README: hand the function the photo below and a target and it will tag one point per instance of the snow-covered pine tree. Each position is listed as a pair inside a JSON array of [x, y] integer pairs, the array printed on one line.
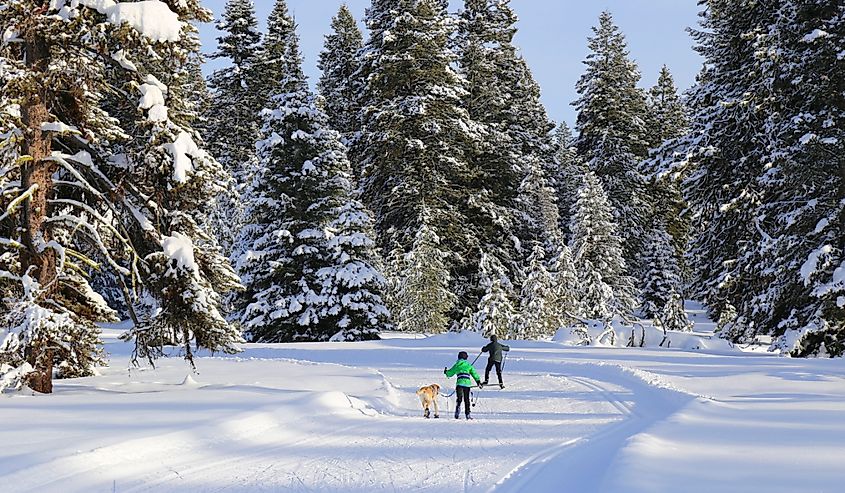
[[416, 136], [537, 316], [724, 154], [101, 179], [803, 210], [565, 301], [487, 60], [510, 204], [352, 281], [663, 285], [340, 66], [666, 122], [279, 58], [308, 261], [597, 300], [597, 248], [666, 113], [424, 297], [565, 178], [612, 137], [495, 313], [232, 120]]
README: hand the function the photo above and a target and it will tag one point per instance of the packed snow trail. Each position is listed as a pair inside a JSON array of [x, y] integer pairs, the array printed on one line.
[[344, 417]]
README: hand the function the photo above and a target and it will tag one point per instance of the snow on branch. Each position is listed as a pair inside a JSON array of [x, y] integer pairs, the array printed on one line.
[[152, 18]]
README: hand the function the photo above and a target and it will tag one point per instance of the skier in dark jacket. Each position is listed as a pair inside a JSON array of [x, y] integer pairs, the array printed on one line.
[[495, 350]]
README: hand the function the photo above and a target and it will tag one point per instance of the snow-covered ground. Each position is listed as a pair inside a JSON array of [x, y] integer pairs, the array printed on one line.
[[344, 417]]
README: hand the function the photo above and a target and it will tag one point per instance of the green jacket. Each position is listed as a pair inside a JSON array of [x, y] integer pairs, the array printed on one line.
[[464, 370], [495, 349]]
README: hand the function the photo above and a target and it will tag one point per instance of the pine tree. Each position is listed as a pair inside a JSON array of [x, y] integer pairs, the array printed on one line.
[[597, 250], [511, 205], [667, 118], [597, 300], [108, 180], [566, 177], [565, 301], [538, 315], [802, 303], [233, 121], [279, 58], [308, 261], [424, 297], [663, 289], [489, 63], [495, 313], [666, 122], [416, 136], [723, 155], [340, 66], [612, 136]]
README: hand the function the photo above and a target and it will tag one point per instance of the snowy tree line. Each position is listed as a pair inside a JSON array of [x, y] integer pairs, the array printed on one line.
[[474, 213], [421, 187]]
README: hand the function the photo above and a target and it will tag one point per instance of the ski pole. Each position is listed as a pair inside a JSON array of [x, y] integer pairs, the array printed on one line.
[[476, 358]]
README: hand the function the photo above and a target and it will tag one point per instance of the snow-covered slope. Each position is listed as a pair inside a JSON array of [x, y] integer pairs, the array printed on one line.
[[344, 417]]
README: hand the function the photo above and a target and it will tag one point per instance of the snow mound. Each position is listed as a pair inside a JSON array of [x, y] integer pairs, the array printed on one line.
[[332, 403], [620, 334], [189, 381]]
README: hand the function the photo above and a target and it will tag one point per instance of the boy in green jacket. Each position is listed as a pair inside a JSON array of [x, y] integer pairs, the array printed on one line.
[[464, 370]]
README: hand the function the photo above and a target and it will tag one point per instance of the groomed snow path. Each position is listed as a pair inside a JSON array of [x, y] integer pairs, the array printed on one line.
[[344, 417]]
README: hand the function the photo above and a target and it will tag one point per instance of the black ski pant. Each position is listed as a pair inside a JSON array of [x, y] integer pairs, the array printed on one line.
[[463, 395], [490, 364]]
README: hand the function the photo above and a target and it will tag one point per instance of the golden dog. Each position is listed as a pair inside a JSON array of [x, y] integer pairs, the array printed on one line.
[[428, 395]]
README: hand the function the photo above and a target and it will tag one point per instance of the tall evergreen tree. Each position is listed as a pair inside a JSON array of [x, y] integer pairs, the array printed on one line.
[[103, 179], [720, 161], [667, 116], [495, 313], [597, 250], [416, 136], [663, 285], [538, 316], [279, 58], [612, 137], [511, 204], [667, 122], [567, 175], [566, 303], [233, 121], [340, 67], [800, 255], [308, 261], [424, 297]]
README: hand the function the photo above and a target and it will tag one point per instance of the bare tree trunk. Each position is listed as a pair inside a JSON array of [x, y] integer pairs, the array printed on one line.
[[38, 172], [41, 380]]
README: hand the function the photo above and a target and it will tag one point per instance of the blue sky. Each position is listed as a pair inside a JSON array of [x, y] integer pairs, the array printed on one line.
[[552, 35]]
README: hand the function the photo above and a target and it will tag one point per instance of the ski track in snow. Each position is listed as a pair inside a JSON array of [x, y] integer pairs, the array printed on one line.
[[345, 417]]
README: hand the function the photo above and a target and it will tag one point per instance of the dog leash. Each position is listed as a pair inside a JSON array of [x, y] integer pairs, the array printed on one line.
[[455, 390]]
